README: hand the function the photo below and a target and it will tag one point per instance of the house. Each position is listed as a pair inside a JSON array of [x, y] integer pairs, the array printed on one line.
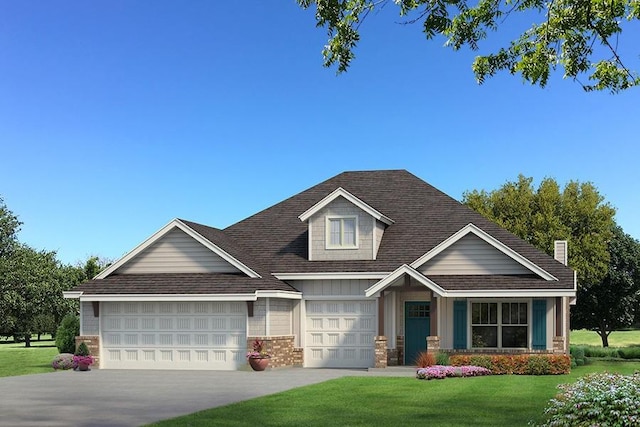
[[363, 270]]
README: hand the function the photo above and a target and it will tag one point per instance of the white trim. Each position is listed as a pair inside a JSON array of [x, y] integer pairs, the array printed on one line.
[[341, 192], [399, 272], [279, 294], [336, 298], [327, 228], [373, 241], [471, 228], [330, 275], [188, 297], [176, 223], [71, 294], [309, 242], [267, 318], [511, 293]]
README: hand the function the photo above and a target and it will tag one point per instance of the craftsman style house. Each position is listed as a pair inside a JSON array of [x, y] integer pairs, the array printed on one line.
[[363, 270]]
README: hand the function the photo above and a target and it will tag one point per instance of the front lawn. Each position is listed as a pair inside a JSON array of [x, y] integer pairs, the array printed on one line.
[[15, 359], [505, 400]]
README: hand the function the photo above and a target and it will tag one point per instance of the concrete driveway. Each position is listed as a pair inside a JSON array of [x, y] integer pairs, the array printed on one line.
[[132, 398]]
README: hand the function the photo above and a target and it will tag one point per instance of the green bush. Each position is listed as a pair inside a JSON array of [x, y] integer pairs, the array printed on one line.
[[442, 358], [578, 354], [67, 332], [82, 350], [629, 352], [538, 365], [600, 399], [592, 351]]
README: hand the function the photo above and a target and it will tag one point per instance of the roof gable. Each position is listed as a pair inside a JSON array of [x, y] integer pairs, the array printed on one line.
[[177, 248], [511, 262], [341, 192]]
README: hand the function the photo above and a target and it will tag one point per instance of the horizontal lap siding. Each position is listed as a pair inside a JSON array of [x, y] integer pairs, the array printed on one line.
[[89, 322], [472, 255], [176, 252], [345, 287]]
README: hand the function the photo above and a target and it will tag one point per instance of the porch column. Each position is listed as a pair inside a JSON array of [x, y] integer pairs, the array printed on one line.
[[381, 314], [433, 316]]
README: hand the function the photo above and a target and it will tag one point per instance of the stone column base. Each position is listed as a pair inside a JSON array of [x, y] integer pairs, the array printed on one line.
[[381, 352]]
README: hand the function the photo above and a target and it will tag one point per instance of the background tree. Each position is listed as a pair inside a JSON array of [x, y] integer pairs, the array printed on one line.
[[9, 227], [581, 36], [577, 214], [610, 304]]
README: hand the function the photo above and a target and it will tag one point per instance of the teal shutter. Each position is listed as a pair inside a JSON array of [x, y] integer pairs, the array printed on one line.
[[459, 324], [539, 327]]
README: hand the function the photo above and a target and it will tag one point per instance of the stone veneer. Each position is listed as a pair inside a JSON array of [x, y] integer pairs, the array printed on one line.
[[281, 348], [381, 352], [93, 344], [558, 345]]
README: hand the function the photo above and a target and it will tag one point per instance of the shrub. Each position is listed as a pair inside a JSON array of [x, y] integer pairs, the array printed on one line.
[[629, 352], [596, 399], [63, 361], [592, 351], [578, 354], [82, 350], [525, 364], [441, 372], [66, 334], [442, 358], [425, 359]]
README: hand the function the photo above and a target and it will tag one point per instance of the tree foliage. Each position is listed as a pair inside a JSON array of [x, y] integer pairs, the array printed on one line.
[[580, 36], [32, 283], [540, 216], [610, 304]]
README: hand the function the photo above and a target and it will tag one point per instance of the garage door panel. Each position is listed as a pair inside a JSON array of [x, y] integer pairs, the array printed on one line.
[[181, 335], [340, 334]]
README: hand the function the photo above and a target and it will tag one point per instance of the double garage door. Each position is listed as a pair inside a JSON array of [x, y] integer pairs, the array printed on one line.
[[174, 335], [340, 334]]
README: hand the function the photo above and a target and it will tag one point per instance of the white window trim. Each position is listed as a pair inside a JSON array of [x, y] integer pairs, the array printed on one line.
[[499, 325], [327, 228]]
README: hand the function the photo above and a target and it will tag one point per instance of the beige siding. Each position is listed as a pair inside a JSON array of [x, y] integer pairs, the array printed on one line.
[[379, 233], [279, 317], [258, 323], [330, 288], [445, 322], [341, 207], [472, 255], [177, 252], [90, 324]]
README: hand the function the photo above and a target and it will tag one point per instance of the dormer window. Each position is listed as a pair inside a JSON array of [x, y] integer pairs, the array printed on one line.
[[342, 232]]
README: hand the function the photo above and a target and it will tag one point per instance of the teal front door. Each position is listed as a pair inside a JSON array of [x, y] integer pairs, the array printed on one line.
[[417, 326]]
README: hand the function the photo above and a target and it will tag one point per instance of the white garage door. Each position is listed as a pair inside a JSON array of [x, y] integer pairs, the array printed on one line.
[[173, 335], [340, 334]]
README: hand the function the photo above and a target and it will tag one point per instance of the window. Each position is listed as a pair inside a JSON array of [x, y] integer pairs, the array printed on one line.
[[503, 325], [342, 232]]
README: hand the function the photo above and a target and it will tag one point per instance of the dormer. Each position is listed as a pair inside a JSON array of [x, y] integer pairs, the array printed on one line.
[[343, 227]]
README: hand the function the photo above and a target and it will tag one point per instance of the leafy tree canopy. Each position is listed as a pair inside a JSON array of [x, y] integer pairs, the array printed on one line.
[[9, 227], [580, 36], [610, 304], [540, 216]]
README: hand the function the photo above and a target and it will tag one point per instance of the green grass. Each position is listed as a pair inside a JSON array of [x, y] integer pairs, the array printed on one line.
[[616, 339], [507, 400], [15, 359]]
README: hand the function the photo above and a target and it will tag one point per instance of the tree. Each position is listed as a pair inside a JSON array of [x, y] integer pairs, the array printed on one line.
[[9, 227], [577, 214], [610, 304], [580, 36]]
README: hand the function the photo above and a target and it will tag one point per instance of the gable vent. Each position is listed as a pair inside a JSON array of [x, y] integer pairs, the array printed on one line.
[[560, 251]]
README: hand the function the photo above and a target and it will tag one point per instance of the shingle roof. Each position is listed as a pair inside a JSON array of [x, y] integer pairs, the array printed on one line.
[[170, 283], [275, 240]]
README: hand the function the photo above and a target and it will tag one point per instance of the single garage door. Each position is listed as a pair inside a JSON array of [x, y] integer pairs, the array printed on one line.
[[340, 334], [173, 335]]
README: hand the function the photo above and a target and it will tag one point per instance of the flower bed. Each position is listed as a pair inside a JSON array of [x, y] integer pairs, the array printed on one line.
[[440, 372]]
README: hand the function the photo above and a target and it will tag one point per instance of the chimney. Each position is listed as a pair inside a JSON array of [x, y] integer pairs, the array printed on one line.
[[560, 251]]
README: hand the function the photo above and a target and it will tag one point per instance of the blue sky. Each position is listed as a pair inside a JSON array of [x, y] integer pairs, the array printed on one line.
[[118, 116]]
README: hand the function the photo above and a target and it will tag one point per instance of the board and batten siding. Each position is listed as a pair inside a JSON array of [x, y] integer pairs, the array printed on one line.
[[90, 324], [258, 323], [472, 255], [318, 233], [177, 252], [333, 288], [279, 316]]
